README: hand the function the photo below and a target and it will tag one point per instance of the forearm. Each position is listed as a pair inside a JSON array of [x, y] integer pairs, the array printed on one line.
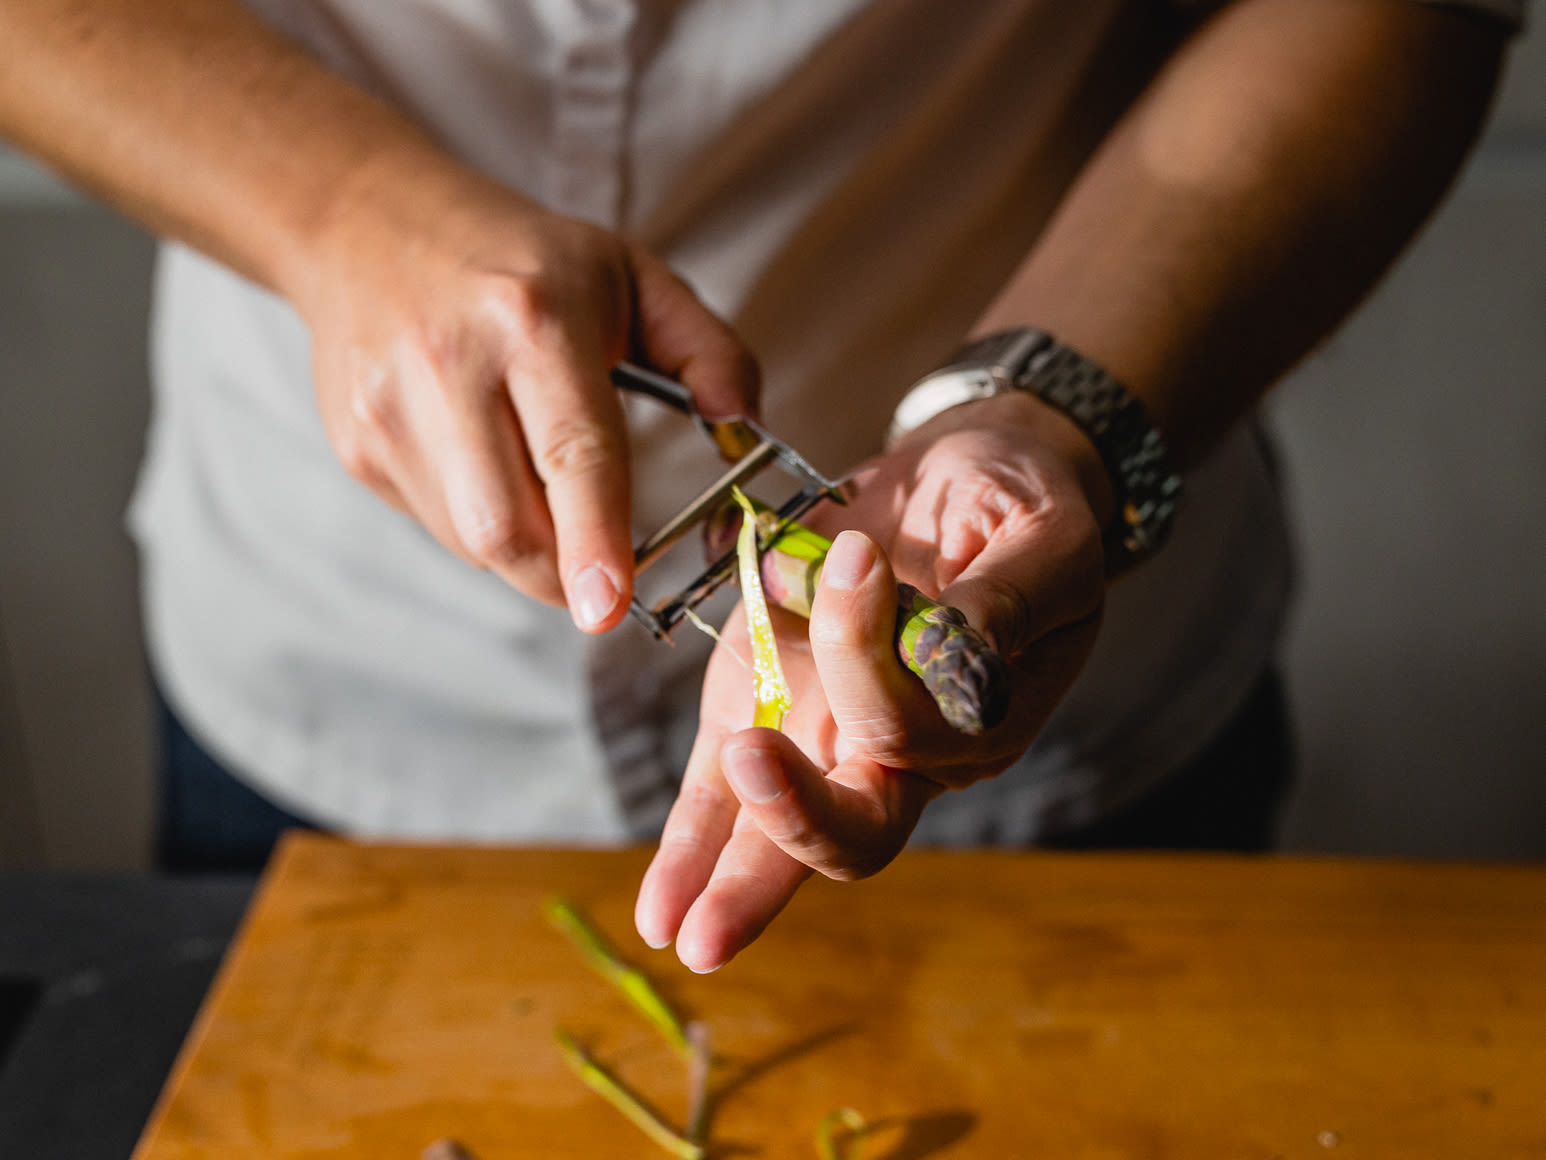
[[1268, 177], [201, 122]]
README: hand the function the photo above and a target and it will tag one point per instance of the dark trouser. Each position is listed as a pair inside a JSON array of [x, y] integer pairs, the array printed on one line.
[[1229, 798], [208, 820]]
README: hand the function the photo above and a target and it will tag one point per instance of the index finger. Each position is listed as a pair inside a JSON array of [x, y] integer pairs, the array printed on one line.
[[696, 831], [574, 429]]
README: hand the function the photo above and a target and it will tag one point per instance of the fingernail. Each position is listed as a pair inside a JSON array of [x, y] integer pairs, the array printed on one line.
[[592, 596], [848, 562], [657, 946], [705, 970], [755, 774]]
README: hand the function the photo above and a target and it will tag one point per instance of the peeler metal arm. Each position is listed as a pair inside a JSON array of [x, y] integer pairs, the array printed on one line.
[[749, 449]]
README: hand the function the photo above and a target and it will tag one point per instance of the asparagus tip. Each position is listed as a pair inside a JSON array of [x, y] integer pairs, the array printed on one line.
[[962, 671]]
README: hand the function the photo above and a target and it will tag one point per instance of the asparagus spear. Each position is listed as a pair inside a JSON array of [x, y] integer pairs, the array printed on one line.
[[960, 669]]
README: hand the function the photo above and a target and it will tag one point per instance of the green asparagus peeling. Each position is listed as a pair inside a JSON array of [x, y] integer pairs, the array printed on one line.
[[961, 670], [616, 1093], [631, 981], [773, 698], [851, 1123]]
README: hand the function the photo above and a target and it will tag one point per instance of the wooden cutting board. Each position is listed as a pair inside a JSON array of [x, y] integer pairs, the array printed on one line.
[[984, 1005]]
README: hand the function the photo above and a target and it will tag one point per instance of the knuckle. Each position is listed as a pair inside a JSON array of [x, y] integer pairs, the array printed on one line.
[[899, 739], [426, 361], [874, 734], [439, 363], [898, 749], [685, 843], [792, 830], [373, 408], [519, 308], [576, 447], [493, 540]]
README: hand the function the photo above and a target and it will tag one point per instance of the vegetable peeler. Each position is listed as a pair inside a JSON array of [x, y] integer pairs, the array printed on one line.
[[749, 449]]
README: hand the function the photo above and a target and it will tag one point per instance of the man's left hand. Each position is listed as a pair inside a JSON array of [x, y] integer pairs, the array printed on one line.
[[993, 507]]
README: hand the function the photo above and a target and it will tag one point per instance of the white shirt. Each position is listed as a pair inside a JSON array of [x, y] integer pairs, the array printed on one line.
[[848, 182]]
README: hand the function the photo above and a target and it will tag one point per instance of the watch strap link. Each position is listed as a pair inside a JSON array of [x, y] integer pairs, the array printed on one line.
[[1148, 491]]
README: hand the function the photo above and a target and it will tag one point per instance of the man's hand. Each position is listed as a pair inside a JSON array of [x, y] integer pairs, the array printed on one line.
[[462, 335], [461, 364], [992, 506]]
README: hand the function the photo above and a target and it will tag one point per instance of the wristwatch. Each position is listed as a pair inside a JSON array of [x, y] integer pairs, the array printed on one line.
[[1027, 359]]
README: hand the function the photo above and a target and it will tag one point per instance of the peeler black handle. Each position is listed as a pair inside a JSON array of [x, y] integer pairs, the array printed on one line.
[[732, 437], [668, 391]]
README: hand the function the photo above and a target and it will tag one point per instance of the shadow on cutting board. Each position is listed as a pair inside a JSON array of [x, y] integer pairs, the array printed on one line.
[[922, 1135]]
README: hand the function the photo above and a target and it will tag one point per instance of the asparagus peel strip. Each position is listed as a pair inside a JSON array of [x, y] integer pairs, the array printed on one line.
[[616, 1093], [961, 670], [632, 982], [852, 1126], [772, 690], [839, 1135]]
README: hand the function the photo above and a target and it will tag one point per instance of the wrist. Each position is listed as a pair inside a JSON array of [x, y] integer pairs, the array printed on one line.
[[384, 208], [1139, 494]]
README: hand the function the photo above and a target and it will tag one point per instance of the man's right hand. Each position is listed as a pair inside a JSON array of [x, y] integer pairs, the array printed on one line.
[[462, 335], [461, 360]]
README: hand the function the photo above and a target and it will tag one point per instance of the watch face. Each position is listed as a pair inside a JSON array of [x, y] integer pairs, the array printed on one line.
[[939, 392]]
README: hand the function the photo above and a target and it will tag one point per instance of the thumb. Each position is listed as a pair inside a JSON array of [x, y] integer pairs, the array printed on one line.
[[683, 338], [1030, 580]]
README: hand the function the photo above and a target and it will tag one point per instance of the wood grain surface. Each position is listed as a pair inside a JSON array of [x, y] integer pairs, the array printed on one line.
[[982, 1005]]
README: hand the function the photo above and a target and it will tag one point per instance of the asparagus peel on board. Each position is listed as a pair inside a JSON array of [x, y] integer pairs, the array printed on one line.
[[960, 669], [601, 1081], [632, 982], [839, 1135], [690, 1039]]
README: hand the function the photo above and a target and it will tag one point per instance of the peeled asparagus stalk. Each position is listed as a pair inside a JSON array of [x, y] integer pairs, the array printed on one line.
[[957, 665]]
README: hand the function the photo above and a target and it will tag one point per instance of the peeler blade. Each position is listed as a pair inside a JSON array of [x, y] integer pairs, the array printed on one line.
[[670, 612], [750, 449]]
